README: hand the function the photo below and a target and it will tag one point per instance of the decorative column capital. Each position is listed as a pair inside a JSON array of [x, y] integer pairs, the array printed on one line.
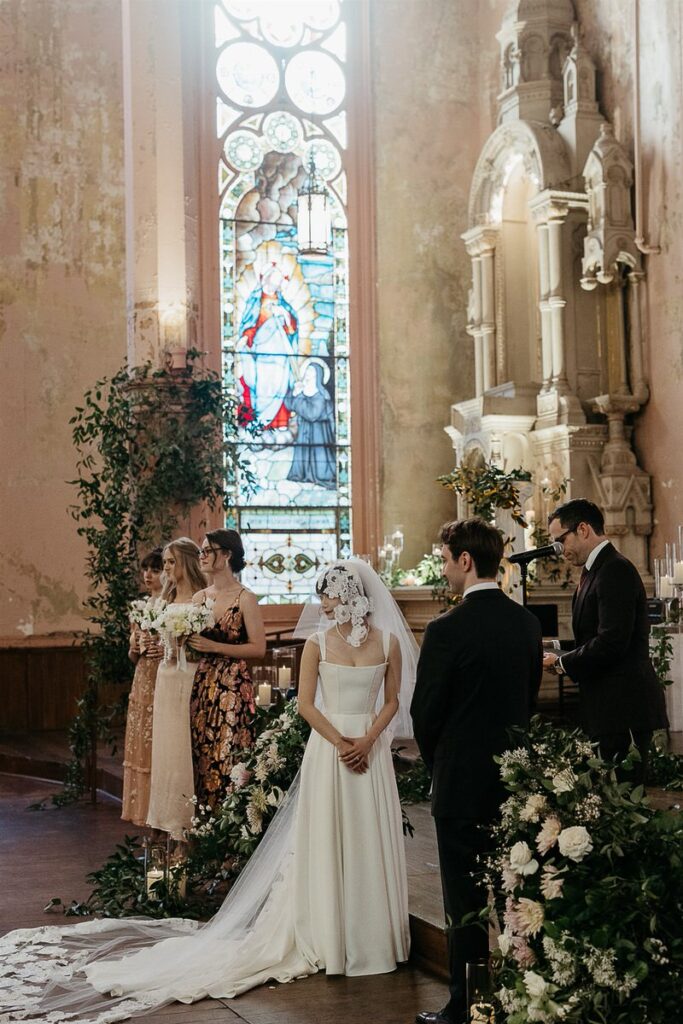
[[481, 240]]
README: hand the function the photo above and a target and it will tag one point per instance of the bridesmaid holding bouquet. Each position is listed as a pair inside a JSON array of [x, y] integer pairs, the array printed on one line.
[[172, 788], [144, 651], [222, 708]]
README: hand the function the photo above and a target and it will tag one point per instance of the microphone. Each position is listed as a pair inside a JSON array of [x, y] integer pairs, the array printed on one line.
[[528, 556]]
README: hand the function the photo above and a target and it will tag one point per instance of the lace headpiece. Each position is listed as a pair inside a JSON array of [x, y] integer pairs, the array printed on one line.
[[344, 583]]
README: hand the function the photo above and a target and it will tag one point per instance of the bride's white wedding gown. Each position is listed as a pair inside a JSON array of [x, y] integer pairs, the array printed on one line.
[[334, 898]]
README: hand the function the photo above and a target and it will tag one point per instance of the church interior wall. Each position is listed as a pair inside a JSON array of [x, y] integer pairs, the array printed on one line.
[[435, 80], [607, 27], [62, 289], [433, 67]]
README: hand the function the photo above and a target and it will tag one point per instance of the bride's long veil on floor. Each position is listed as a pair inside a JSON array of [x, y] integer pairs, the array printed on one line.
[[46, 973]]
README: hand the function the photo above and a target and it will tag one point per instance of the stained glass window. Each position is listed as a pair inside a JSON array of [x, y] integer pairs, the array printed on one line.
[[281, 85]]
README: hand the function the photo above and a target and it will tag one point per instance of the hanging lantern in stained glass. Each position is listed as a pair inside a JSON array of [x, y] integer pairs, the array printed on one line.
[[313, 219]]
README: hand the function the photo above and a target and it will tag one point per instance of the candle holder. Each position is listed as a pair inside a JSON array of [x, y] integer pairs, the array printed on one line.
[[264, 682], [176, 858], [479, 991], [284, 663], [156, 869]]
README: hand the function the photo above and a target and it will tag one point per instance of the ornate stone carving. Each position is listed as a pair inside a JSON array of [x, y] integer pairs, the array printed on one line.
[[610, 239], [554, 161]]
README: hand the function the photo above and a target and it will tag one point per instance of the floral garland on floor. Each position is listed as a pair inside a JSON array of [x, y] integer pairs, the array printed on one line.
[[589, 888]]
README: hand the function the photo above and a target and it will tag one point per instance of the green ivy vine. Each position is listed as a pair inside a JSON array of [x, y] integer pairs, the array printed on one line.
[[487, 488], [150, 447]]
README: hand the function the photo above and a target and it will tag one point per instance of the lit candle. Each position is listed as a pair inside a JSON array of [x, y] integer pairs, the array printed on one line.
[[678, 573], [264, 695], [284, 676]]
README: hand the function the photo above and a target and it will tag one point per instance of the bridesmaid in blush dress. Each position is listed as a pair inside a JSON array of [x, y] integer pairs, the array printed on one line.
[[222, 707], [145, 651]]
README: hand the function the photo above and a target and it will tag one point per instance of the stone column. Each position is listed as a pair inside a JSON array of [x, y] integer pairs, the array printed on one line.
[[639, 387], [556, 299], [488, 317], [481, 246], [544, 306], [161, 261]]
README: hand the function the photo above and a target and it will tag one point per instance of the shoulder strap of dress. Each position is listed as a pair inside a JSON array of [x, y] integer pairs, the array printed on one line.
[[321, 641], [386, 640]]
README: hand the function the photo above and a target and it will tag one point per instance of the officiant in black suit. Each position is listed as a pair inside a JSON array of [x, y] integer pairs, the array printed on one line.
[[621, 699], [478, 675]]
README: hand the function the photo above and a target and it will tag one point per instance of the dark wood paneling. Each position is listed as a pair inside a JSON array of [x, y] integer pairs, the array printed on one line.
[[39, 688]]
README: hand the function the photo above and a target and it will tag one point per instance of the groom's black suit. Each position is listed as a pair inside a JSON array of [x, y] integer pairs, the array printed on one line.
[[479, 672]]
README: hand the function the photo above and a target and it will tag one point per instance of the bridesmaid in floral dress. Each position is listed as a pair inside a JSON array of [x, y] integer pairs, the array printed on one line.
[[222, 706], [145, 652]]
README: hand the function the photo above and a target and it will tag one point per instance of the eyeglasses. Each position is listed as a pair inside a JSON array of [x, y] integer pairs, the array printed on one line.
[[563, 536]]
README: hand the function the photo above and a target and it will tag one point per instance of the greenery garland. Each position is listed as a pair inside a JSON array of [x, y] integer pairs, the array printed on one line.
[[487, 488], [150, 448]]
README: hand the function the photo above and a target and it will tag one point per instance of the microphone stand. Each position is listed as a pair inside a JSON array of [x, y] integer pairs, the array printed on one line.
[[524, 570]]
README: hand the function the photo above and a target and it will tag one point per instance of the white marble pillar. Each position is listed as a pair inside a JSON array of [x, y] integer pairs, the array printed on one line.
[[638, 381], [488, 318], [557, 303], [544, 306]]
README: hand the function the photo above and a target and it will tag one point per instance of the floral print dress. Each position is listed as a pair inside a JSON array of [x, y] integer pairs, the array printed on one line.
[[222, 711]]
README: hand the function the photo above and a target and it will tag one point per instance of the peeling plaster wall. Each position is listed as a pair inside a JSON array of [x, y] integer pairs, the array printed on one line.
[[435, 79], [607, 27], [62, 297]]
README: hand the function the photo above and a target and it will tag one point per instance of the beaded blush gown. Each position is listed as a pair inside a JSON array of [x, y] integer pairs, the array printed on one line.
[[325, 890], [137, 754]]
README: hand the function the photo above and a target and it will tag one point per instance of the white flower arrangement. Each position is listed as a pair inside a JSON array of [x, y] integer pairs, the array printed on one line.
[[584, 937]]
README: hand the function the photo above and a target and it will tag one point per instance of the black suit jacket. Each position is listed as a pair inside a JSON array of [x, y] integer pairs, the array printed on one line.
[[478, 674], [618, 687]]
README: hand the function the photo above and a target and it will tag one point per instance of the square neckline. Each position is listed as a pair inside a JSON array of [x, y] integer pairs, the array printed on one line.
[[382, 664]]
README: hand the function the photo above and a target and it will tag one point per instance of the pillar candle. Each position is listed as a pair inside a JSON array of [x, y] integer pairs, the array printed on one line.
[[666, 587], [264, 695], [284, 676], [678, 572]]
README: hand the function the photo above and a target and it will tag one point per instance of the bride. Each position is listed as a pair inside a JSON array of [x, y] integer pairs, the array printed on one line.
[[326, 889]]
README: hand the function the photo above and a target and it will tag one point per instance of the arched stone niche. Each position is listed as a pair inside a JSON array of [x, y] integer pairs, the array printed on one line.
[[554, 311]]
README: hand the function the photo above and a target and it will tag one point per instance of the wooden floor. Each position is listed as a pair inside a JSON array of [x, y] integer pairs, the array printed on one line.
[[48, 853]]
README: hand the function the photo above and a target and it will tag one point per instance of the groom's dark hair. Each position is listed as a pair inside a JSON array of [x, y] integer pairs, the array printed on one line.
[[483, 542]]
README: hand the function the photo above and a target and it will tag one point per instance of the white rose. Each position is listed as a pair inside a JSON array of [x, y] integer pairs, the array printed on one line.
[[521, 859], [575, 842], [535, 985]]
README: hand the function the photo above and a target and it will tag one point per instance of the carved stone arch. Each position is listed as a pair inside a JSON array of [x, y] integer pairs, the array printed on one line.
[[541, 148]]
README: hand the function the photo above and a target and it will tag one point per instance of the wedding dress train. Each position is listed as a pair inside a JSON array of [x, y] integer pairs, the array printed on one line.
[[326, 890]]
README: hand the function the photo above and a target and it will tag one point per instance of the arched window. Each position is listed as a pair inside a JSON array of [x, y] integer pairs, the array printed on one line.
[[281, 104]]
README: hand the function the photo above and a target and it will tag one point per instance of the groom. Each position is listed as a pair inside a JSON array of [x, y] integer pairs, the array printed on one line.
[[478, 674]]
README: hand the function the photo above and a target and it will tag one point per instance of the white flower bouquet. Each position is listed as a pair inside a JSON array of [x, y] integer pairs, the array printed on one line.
[[177, 622], [146, 612]]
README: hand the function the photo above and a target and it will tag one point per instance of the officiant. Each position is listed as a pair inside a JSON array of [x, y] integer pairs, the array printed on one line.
[[621, 699]]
